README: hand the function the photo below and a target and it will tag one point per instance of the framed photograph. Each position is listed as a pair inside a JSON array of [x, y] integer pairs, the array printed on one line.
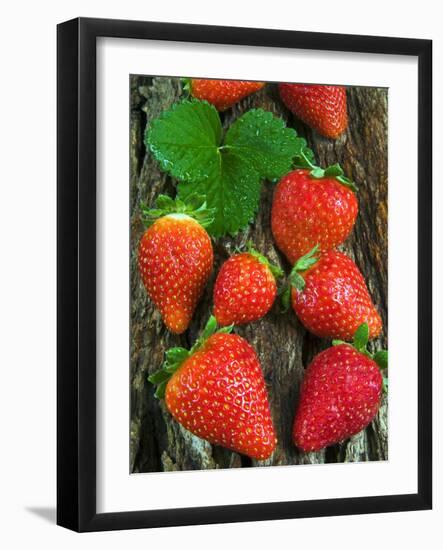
[[244, 231]]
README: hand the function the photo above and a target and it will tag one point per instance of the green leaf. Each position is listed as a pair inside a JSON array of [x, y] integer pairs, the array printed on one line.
[[381, 358], [158, 377], [185, 140], [307, 261], [302, 264], [305, 157], [176, 355], [361, 337], [263, 141], [210, 328], [334, 171], [233, 192], [297, 280], [194, 206], [385, 384], [165, 202], [285, 293], [275, 269], [161, 390]]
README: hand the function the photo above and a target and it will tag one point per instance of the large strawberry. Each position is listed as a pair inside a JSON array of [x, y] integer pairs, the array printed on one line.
[[340, 394], [223, 94], [320, 107], [245, 288], [217, 391], [330, 296], [312, 207], [175, 257]]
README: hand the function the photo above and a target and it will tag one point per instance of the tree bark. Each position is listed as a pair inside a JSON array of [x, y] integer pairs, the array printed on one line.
[[285, 348]]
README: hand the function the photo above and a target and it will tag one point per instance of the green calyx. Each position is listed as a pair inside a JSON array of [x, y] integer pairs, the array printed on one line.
[[334, 171], [302, 264], [275, 269], [194, 206], [285, 297], [360, 343], [296, 280], [175, 357], [186, 86]]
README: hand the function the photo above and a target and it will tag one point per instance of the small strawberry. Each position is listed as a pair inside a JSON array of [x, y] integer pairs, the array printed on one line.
[[217, 391], [340, 394], [175, 258], [323, 108], [245, 288], [223, 94], [331, 298], [312, 207]]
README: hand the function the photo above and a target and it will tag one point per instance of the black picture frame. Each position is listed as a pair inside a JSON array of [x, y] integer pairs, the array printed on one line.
[[76, 279]]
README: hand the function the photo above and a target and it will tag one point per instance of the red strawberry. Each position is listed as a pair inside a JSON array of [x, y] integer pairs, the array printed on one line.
[[340, 395], [217, 391], [175, 259], [309, 210], [223, 94], [323, 108], [331, 299], [245, 288]]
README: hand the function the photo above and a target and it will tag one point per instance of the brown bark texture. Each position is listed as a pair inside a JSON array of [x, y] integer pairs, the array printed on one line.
[[285, 348]]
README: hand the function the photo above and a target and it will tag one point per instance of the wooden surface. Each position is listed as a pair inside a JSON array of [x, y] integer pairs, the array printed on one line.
[[285, 348]]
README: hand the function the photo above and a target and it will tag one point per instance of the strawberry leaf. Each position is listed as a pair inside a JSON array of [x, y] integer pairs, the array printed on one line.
[[262, 140], [233, 192], [187, 142]]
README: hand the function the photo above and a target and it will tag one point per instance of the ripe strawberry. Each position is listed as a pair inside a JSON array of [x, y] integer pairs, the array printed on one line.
[[175, 258], [331, 299], [223, 94], [312, 207], [323, 108], [245, 288], [340, 395], [217, 391]]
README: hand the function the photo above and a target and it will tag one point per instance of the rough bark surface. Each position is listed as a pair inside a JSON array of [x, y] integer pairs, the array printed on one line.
[[285, 348]]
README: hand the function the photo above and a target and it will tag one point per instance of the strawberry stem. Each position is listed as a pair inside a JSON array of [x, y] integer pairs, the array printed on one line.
[[175, 357], [194, 206]]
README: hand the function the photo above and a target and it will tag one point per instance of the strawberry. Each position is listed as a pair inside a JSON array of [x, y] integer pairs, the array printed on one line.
[[312, 207], [245, 288], [323, 108], [217, 391], [223, 94], [175, 258], [331, 298], [340, 394]]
